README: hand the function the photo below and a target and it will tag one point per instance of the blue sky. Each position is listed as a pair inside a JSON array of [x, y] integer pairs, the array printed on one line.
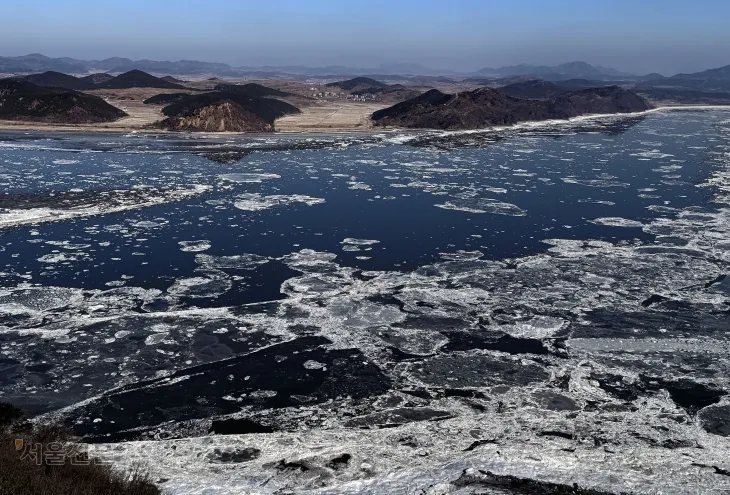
[[667, 36]]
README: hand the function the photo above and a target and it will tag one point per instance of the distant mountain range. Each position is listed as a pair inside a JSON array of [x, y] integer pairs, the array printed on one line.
[[570, 70], [36, 62]]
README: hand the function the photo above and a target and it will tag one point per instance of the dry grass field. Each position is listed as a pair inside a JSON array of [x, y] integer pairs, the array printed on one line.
[[338, 115]]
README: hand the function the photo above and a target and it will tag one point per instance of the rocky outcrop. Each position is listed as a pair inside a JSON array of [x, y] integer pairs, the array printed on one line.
[[225, 112], [533, 89], [486, 107], [92, 80], [607, 99], [137, 79], [131, 79], [252, 90], [22, 100], [224, 115], [165, 98], [356, 84], [56, 80]]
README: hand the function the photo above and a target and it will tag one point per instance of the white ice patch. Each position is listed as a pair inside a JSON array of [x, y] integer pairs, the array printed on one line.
[[256, 202], [239, 262], [308, 259], [194, 246], [246, 178], [11, 218], [481, 205], [617, 222], [40, 298], [462, 255], [539, 327], [212, 285], [594, 182], [366, 314], [652, 154], [58, 258], [149, 224], [358, 185], [359, 242], [65, 162]]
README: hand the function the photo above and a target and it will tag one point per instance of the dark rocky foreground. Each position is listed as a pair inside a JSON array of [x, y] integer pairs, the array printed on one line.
[[22, 100], [486, 107]]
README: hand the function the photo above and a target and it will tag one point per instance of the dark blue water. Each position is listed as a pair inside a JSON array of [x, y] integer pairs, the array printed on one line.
[[550, 184]]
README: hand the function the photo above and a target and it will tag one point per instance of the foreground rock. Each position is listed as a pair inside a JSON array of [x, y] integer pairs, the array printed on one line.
[[487, 107], [225, 111], [22, 100]]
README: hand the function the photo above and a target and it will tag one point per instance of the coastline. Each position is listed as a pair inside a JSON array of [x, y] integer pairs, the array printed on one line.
[[119, 127]]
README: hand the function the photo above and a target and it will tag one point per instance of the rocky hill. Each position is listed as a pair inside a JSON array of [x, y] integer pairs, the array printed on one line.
[[173, 80], [131, 79], [251, 89], [165, 98], [532, 89], [23, 100], [486, 107], [56, 80], [357, 84], [606, 99], [137, 79], [221, 111], [390, 92], [92, 80], [365, 86]]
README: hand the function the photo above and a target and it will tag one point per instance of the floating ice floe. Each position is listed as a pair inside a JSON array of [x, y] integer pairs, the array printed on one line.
[[594, 182], [211, 283], [103, 203], [359, 242], [617, 222], [194, 246], [244, 178], [257, 202], [652, 154], [480, 205], [61, 257], [359, 185], [462, 255], [238, 262]]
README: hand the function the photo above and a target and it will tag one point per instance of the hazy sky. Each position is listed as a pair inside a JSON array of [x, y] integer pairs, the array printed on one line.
[[641, 36]]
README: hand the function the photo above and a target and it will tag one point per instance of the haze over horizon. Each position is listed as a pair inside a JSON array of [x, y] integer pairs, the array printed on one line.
[[650, 36]]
